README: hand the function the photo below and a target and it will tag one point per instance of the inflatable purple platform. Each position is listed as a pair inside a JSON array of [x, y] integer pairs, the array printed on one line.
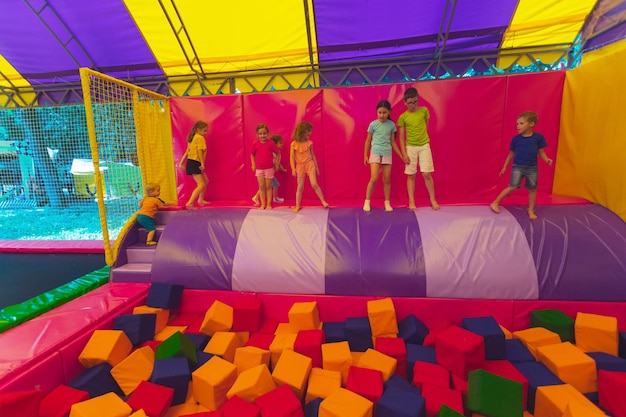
[[572, 252]]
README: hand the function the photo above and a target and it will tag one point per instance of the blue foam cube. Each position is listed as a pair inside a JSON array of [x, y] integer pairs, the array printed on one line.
[[334, 331], [358, 333], [515, 351], [397, 402], [492, 334], [164, 295], [312, 408], [608, 362], [97, 381], [138, 327], [412, 330], [538, 375], [416, 353], [173, 373]]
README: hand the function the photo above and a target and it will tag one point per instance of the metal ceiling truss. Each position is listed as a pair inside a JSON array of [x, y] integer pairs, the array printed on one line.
[[329, 76]]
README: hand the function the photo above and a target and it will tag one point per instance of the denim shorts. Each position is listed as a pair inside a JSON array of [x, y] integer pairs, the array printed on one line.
[[524, 171]]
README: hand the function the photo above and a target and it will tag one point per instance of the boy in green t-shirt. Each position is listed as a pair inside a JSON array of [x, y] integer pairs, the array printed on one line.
[[415, 146]]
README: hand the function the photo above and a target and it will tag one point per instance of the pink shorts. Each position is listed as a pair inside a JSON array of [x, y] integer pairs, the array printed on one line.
[[306, 169], [380, 159], [266, 173]]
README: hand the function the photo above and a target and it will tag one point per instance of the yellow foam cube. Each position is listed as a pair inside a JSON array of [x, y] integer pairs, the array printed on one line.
[[553, 400], [304, 316], [249, 357], [535, 337], [167, 331], [252, 383], [139, 413], [285, 328], [218, 318], [110, 346], [162, 316], [107, 405], [571, 365], [373, 359], [344, 403], [336, 357], [382, 317], [322, 383], [281, 342], [595, 333], [212, 381], [293, 369], [223, 344], [135, 368], [507, 334]]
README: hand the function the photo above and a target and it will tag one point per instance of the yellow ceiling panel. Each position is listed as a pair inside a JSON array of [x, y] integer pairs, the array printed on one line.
[[541, 23], [238, 35], [9, 77]]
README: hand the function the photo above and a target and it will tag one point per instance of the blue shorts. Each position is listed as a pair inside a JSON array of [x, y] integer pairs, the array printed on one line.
[[146, 221], [275, 183], [524, 171]]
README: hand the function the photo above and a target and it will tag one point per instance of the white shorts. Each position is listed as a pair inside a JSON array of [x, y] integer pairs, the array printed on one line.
[[380, 159], [266, 173], [419, 155]]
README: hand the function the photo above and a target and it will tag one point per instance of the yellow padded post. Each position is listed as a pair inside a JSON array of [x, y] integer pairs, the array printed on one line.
[[249, 357], [110, 346], [218, 318], [135, 368], [596, 333], [252, 383], [293, 370], [553, 400], [223, 344], [535, 337], [336, 357], [212, 381], [107, 405], [280, 343], [162, 316], [373, 359], [304, 316], [571, 365], [382, 317], [345, 403], [322, 383]]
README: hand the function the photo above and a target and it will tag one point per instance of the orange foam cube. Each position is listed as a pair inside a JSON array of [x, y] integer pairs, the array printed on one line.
[[223, 344], [252, 383], [535, 337], [135, 368], [596, 333], [337, 357], [280, 343], [249, 357], [553, 400], [162, 316], [110, 346], [107, 405], [304, 316], [345, 403], [571, 365], [212, 381], [218, 318], [322, 383], [382, 317], [293, 370], [373, 359]]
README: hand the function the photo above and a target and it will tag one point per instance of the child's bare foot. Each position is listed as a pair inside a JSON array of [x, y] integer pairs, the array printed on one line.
[[151, 243], [495, 207], [296, 209], [325, 204], [203, 203], [261, 207], [412, 207], [434, 204], [190, 207], [532, 215], [268, 207], [255, 200]]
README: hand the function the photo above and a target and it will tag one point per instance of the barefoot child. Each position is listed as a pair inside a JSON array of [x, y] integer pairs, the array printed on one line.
[[263, 158], [150, 205], [303, 163], [523, 152]]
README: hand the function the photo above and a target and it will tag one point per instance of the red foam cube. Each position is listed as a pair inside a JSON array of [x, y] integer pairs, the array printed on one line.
[[309, 343], [396, 348], [59, 401], [246, 314], [368, 383], [153, 398]]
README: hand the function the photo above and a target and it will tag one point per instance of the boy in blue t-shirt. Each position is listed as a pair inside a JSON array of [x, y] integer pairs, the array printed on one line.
[[523, 152]]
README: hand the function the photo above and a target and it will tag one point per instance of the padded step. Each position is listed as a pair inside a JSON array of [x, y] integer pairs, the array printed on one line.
[[143, 233], [132, 272], [140, 253]]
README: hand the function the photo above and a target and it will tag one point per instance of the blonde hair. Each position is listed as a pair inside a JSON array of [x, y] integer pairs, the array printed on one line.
[[151, 186], [301, 130], [199, 125], [530, 116]]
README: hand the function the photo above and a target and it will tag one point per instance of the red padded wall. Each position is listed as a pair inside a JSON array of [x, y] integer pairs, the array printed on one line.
[[472, 122]]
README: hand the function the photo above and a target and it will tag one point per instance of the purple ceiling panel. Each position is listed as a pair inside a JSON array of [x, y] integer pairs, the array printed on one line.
[[408, 28], [113, 44]]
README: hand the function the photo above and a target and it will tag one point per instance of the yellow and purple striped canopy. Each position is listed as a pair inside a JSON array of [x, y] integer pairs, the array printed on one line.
[[46, 41]]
